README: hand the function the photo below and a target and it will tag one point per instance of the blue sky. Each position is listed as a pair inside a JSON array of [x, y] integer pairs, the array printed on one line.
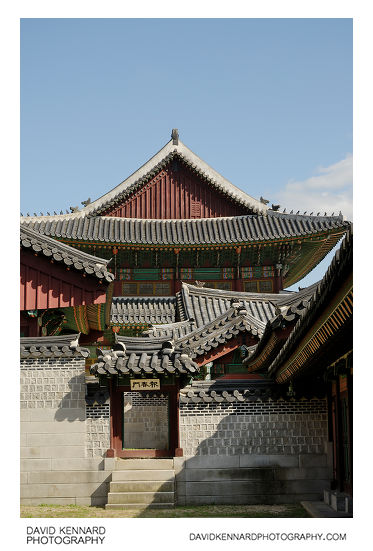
[[266, 102]]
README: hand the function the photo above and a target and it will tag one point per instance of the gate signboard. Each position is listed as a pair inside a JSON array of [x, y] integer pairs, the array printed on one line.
[[145, 384]]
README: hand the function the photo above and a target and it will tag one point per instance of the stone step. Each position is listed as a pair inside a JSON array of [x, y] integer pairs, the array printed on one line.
[[143, 474], [148, 464], [138, 506], [142, 486], [338, 501], [140, 497]]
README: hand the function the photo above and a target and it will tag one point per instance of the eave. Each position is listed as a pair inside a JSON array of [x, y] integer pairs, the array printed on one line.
[[327, 317]]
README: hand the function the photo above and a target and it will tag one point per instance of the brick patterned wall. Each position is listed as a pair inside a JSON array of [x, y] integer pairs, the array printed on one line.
[[296, 427], [98, 429], [52, 383], [58, 386]]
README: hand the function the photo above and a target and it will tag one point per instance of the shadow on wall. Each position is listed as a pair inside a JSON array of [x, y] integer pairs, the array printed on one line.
[[72, 405], [223, 473]]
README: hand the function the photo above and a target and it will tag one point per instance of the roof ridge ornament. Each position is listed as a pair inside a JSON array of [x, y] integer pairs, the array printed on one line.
[[175, 136]]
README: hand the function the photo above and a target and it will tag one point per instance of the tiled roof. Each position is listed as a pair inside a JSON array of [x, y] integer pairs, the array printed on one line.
[[172, 331], [63, 346], [223, 328], [64, 254], [224, 391], [157, 163], [204, 305], [151, 310], [289, 307], [143, 356], [340, 267], [198, 231], [238, 391]]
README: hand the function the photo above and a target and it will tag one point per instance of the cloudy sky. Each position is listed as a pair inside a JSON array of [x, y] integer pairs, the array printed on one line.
[[328, 189], [266, 102]]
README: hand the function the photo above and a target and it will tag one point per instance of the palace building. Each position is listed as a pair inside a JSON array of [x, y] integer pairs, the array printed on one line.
[[162, 360]]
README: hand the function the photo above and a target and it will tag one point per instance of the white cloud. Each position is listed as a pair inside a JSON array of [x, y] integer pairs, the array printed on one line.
[[329, 190]]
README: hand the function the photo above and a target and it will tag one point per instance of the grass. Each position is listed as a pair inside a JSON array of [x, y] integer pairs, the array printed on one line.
[[200, 511]]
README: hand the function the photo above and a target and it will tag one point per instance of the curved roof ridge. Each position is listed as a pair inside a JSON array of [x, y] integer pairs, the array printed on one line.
[[83, 214], [167, 152], [209, 291], [296, 296]]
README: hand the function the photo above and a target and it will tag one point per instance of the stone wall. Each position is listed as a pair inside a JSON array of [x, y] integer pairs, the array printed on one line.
[[61, 446], [253, 452], [97, 430], [271, 427]]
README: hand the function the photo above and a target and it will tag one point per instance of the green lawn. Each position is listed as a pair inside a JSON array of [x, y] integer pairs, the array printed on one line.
[[200, 511]]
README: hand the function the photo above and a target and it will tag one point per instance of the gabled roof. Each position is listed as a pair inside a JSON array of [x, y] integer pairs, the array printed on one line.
[[172, 149], [223, 328], [64, 254]]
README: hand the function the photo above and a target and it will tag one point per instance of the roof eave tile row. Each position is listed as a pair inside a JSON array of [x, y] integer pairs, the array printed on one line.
[[236, 396], [341, 263], [289, 308], [130, 310], [65, 346], [152, 361], [65, 254], [185, 232]]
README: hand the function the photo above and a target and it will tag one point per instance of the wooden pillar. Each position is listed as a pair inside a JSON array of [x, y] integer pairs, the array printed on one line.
[[278, 282]]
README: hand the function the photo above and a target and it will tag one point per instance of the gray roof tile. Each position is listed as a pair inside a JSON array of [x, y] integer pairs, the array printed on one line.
[[69, 256], [151, 310], [223, 230], [136, 356], [63, 346]]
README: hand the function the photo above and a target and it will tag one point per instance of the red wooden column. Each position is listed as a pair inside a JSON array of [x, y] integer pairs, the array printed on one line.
[[278, 283]]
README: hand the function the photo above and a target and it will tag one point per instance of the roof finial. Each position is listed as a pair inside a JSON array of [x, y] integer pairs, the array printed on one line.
[[175, 136]]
